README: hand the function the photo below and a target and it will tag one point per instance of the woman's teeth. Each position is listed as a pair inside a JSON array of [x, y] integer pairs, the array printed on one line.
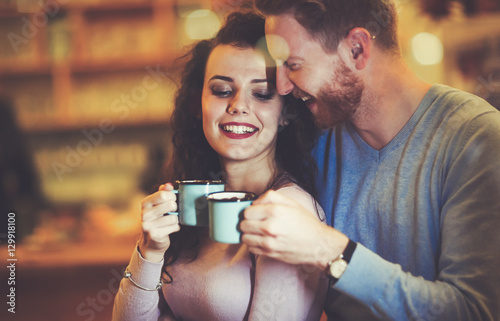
[[238, 129]]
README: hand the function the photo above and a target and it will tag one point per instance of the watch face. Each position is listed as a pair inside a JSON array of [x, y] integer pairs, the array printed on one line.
[[337, 268]]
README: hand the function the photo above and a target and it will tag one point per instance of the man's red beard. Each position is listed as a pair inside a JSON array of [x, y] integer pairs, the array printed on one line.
[[341, 104]]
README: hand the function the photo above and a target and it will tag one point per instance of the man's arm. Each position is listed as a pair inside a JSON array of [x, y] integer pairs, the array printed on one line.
[[279, 227], [286, 233], [467, 284]]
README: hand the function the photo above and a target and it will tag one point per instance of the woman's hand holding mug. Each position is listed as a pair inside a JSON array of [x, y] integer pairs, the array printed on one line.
[[156, 226]]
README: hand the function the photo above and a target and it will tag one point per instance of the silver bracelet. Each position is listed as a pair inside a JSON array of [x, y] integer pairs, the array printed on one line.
[[128, 275]]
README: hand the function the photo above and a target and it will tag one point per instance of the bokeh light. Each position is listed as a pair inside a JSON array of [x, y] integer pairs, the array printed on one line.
[[201, 24], [278, 47], [427, 49]]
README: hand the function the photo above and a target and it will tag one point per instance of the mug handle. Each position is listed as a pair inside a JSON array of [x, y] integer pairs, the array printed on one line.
[[175, 191]]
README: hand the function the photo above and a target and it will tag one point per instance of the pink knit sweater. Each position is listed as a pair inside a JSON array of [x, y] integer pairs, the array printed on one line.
[[225, 282]]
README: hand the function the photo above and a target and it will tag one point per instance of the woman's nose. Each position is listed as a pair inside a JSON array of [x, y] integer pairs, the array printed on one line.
[[238, 105], [283, 83]]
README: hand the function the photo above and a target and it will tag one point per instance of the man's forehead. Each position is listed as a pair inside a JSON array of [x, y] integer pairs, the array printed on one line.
[[285, 36], [280, 36], [278, 47]]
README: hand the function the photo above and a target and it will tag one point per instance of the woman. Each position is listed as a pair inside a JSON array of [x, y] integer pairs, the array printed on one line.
[[256, 140]]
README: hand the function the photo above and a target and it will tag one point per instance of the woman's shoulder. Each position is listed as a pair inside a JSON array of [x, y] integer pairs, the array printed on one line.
[[299, 195]]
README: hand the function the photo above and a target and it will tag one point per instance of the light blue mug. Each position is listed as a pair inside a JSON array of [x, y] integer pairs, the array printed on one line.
[[225, 211], [192, 200]]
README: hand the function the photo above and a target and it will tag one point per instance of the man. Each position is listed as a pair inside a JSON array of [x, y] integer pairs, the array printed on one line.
[[409, 173]]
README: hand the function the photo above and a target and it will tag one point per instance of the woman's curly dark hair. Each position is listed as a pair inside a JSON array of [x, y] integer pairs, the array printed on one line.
[[192, 156]]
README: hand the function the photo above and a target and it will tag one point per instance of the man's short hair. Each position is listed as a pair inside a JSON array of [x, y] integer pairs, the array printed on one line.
[[330, 21]]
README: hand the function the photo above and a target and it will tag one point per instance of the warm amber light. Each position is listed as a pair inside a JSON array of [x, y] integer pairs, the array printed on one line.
[[278, 48], [427, 48], [201, 24]]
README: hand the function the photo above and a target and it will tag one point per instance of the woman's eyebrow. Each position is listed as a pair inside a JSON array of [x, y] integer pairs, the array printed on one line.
[[229, 79], [257, 81]]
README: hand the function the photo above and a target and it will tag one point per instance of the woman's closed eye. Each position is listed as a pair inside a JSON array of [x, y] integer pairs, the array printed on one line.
[[264, 95], [221, 91]]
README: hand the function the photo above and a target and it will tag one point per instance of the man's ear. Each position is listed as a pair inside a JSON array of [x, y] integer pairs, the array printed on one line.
[[359, 43], [356, 50]]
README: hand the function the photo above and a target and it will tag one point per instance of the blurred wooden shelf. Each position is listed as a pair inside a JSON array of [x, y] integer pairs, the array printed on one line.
[[22, 69], [73, 254], [62, 62], [123, 63], [12, 9], [61, 128], [100, 65]]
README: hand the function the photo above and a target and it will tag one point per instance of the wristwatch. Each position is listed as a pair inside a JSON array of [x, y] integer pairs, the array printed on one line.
[[337, 266]]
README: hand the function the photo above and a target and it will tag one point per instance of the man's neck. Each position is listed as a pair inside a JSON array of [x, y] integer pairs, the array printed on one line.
[[391, 97]]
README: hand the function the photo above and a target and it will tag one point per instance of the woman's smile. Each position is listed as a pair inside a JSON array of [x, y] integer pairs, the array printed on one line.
[[236, 130]]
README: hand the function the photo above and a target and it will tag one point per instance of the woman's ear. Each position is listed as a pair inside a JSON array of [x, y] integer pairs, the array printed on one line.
[[284, 117], [283, 122]]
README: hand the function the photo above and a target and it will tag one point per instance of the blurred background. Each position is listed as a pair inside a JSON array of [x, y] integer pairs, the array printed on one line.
[[86, 90]]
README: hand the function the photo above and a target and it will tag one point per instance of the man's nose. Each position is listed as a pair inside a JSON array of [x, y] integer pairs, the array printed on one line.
[[283, 83]]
